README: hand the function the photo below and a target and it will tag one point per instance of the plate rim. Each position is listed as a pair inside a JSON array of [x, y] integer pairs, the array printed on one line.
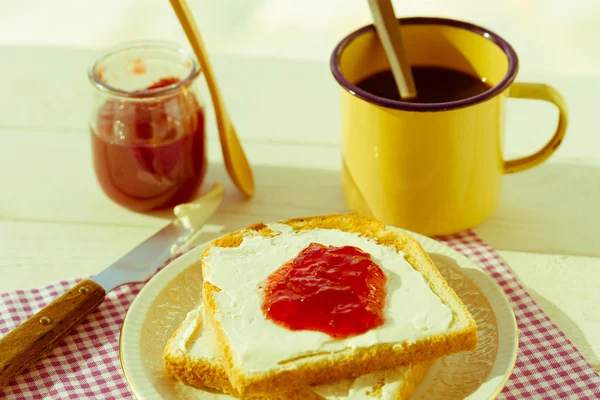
[[168, 270]]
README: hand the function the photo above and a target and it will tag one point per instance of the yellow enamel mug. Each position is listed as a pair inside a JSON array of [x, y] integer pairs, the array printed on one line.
[[436, 168]]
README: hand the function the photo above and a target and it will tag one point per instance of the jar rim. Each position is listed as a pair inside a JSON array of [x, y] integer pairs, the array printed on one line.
[[101, 85]]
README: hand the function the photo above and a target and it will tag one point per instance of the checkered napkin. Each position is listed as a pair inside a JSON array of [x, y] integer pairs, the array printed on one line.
[[86, 364]]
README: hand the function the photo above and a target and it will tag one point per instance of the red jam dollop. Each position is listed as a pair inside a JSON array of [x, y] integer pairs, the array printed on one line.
[[339, 291]]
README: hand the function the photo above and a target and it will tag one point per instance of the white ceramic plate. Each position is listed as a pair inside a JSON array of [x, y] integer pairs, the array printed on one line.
[[479, 374]]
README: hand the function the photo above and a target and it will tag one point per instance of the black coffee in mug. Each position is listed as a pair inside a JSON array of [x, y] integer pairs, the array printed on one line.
[[433, 84]]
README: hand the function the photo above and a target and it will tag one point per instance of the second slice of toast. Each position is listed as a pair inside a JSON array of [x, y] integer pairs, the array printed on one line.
[[191, 356], [424, 318]]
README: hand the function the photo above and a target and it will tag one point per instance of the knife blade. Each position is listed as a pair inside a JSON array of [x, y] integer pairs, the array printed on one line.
[[141, 262], [43, 331]]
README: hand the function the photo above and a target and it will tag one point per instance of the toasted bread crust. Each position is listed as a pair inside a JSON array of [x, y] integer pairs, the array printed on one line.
[[349, 363], [200, 373], [412, 380], [234, 239]]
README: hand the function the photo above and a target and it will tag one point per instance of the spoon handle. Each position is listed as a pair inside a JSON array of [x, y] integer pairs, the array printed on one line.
[[389, 31], [184, 14], [234, 157]]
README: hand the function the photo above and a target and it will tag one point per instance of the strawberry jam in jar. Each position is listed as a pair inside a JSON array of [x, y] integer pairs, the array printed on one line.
[[147, 125]]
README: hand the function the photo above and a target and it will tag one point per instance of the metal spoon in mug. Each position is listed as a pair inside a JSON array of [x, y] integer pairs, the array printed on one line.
[[389, 31]]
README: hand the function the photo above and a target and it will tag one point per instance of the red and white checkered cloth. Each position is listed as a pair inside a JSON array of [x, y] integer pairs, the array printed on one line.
[[86, 364]]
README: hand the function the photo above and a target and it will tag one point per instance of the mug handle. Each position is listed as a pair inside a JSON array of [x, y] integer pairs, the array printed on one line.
[[539, 91]]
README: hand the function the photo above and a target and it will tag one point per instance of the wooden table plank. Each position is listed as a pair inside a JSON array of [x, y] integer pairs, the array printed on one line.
[[270, 99], [34, 254], [547, 210]]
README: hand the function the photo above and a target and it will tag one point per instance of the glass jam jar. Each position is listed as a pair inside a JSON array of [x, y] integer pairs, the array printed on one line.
[[147, 125]]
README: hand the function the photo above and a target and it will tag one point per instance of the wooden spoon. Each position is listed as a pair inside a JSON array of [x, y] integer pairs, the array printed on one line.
[[388, 29], [235, 160]]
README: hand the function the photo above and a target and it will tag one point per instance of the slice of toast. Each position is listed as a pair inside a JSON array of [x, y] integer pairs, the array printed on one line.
[[424, 318], [191, 357]]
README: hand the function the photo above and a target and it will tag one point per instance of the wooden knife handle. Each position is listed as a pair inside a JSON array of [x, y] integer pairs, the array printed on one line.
[[40, 333]]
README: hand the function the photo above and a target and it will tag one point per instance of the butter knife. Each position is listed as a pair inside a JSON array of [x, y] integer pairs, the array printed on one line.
[[43, 331]]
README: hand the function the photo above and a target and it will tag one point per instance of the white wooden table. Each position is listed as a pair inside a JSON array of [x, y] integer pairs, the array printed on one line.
[[55, 222]]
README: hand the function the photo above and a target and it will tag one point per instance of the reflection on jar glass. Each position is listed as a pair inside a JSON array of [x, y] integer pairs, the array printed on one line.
[[147, 125]]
